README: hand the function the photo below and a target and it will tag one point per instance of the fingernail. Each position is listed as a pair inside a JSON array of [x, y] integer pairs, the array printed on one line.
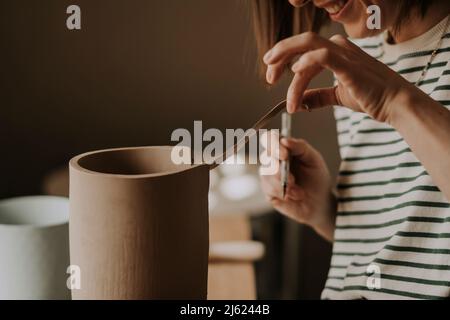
[[267, 56], [269, 75], [290, 107]]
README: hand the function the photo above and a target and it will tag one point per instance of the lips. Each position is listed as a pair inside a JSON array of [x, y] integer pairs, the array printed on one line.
[[334, 7]]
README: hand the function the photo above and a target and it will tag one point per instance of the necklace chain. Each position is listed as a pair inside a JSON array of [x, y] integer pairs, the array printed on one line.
[[433, 54]]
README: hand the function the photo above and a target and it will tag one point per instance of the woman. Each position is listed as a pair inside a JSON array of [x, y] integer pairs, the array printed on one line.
[[389, 215]]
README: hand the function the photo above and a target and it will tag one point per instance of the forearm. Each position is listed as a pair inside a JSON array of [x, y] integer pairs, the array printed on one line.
[[425, 126], [325, 227]]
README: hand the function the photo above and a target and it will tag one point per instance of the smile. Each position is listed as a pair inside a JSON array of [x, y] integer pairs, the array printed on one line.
[[334, 7]]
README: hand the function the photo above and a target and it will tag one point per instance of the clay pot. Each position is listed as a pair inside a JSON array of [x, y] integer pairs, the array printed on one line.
[[139, 222], [138, 225]]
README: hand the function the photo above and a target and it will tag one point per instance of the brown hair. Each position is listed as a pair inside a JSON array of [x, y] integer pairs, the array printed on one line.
[[405, 13], [274, 20]]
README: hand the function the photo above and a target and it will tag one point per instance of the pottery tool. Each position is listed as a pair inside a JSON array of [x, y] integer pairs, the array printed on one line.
[[260, 124], [286, 124]]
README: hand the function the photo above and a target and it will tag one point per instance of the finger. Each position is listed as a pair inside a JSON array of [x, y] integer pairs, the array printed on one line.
[[274, 72], [295, 193], [276, 178], [342, 41], [309, 65], [299, 148], [272, 186], [345, 43], [298, 85], [325, 58], [286, 49], [318, 98]]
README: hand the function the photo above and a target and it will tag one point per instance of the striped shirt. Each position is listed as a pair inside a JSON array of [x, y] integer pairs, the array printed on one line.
[[392, 237]]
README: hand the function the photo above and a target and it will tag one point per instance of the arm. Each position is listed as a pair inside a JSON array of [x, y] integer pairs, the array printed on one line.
[[326, 227], [425, 126]]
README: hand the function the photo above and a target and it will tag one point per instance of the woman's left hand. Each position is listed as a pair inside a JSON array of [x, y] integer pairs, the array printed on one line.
[[364, 84]]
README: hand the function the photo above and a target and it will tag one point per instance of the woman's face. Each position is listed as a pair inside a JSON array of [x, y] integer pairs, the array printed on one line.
[[352, 14]]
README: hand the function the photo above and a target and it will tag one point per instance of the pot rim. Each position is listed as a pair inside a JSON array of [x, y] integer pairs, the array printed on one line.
[[74, 164]]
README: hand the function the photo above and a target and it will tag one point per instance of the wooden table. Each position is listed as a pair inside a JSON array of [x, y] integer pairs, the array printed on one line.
[[230, 280]]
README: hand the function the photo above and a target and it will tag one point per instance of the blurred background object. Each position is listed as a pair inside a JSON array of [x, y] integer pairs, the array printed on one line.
[[136, 71], [34, 248]]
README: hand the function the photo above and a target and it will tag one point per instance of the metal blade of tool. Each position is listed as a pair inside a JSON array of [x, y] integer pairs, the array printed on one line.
[[260, 124]]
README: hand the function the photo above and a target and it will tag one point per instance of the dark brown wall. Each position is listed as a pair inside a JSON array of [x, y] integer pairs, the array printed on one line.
[[137, 70]]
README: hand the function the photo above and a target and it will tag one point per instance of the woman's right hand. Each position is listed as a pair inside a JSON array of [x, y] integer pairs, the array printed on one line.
[[309, 199]]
